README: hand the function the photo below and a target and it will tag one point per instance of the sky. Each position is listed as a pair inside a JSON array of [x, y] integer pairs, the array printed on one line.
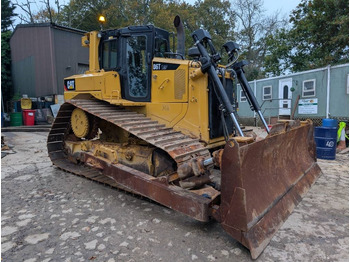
[[285, 7], [271, 6]]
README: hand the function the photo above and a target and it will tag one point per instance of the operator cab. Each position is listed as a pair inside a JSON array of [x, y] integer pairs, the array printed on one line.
[[130, 52]]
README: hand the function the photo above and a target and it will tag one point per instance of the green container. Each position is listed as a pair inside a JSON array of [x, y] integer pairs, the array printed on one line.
[[16, 119]]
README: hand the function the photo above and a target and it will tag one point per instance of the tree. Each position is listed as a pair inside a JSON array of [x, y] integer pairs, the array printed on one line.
[[319, 36], [277, 59], [49, 13], [162, 15], [254, 31], [6, 23], [28, 16], [214, 16], [217, 17], [207, 14], [6, 76], [83, 14], [320, 33], [7, 12]]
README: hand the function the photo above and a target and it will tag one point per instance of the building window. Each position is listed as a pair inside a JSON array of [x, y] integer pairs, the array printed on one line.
[[267, 92], [309, 88], [243, 97]]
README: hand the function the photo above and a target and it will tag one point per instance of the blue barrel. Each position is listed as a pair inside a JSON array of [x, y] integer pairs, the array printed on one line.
[[329, 122], [326, 142]]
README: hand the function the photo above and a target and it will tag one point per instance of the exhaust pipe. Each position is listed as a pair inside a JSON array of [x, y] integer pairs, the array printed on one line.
[[180, 36]]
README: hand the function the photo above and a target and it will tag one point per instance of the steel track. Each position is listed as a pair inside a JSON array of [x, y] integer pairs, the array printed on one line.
[[179, 146]]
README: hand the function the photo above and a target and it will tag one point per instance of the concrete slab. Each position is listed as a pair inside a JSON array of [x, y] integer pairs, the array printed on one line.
[[35, 128]]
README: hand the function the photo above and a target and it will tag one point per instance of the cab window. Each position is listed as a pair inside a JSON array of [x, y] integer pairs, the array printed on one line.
[[161, 46], [109, 54], [137, 66]]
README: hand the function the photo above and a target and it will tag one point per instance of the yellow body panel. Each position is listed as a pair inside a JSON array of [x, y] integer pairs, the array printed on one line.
[[188, 113], [170, 86], [102, 85], [166, 113], [196, 120]]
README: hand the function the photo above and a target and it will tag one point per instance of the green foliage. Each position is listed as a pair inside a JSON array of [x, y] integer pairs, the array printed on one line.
[[6, 15], [83, 14], [277, 59], [217, 18], [320, 33], [207, 14], [6, 22], [212, 15], [319, 36], [6, 81]]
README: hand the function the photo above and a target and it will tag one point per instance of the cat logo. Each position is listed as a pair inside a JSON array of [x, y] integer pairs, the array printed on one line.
[[69, 85]]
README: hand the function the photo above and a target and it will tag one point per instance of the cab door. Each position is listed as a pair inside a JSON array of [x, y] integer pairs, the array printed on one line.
[[137, 66]]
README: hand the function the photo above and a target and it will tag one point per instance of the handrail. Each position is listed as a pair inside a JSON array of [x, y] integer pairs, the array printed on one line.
[[270, 108]]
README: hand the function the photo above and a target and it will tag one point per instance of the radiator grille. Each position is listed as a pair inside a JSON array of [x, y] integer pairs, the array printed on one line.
[[180, 83]]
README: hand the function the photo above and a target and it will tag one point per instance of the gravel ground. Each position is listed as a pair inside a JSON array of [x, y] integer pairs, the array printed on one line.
[[50, 215]]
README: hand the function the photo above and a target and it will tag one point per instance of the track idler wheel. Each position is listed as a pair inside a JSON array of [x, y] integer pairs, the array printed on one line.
[[83, 125]]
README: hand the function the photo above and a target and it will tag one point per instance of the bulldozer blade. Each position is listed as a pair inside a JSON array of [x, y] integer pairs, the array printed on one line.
[[262, 182]]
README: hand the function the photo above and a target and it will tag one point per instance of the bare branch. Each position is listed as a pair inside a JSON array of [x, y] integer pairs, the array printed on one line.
[[26, 8], [48, 9]]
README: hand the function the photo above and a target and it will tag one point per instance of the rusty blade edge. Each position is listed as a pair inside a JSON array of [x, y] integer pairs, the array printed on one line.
[[257, 238], [258, 218]]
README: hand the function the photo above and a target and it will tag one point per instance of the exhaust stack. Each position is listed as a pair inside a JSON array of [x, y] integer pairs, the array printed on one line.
[[180, 36]]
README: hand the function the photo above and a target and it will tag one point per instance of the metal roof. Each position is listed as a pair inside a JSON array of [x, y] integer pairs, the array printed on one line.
[[52, 25]]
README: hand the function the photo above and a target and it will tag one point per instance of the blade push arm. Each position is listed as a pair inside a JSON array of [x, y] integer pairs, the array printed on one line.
[[238, 67], [201, 37]]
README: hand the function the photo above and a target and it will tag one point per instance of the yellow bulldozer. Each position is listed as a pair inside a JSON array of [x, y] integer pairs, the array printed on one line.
[[150, 121]]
